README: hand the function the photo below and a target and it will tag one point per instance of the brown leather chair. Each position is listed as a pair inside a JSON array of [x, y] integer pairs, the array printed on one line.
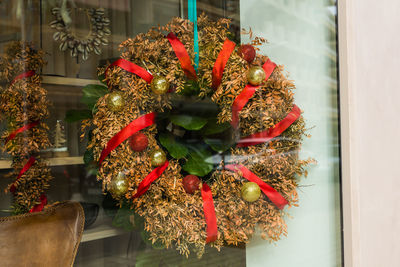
[[47, 239]]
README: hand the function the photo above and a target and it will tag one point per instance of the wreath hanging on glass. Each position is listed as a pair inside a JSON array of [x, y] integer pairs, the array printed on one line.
[[203, 151], [69, 38]]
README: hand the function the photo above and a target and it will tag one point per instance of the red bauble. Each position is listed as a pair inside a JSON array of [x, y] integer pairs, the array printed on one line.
[[191, 183], [138, 142], [247, 52]]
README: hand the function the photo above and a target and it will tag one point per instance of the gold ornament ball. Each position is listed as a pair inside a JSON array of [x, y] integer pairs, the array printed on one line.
[[158, 157], [256, 75], [115, 101], [251, 192], [159, 85], [119, 185]]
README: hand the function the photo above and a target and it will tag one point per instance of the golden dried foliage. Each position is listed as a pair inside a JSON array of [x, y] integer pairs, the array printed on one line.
[[172, 216], [23, 102]]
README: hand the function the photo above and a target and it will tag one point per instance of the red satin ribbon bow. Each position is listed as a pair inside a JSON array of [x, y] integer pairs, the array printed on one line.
[[26, 167], [21, 129], [182, 55], [220, 62], [132, 68], [26, 74], [133, 127], [268, 190], [242, 99], [272, 132], [151, 177], [209, 213], [40, 206]]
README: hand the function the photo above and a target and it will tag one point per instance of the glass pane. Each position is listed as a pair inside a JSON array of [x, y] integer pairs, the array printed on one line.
[[207, 157], [302, 36]]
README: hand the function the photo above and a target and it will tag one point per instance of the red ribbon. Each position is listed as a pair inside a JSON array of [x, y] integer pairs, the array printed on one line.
[[27, 74], [150, 178], [268, 67], [26, 167], [182, 55], [222, 59], [209, 213], [268, 190], [133, 127], [132, 68], [40, 206], [272, 132], [21, 129], [242, 99]]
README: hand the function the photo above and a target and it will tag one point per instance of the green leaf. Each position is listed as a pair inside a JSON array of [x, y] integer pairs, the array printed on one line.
[[101, 78], [213, 127], [88, 157], [123, 219], [218, 145], [78, 115], [146, 238], [191, 88], [91, 167], [92, 93], [188, 122], [197, 164], [220, 137], [175, 149]]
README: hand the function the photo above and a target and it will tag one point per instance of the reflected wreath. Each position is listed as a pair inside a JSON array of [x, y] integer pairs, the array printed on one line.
[[24, 109], [202, 153]]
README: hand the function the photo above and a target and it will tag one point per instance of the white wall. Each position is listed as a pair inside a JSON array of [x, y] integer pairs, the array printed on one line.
[[369, 68], [301, 35]]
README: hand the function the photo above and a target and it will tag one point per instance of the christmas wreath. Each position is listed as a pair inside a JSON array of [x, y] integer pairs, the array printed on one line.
[[202, 145], [24, 106]]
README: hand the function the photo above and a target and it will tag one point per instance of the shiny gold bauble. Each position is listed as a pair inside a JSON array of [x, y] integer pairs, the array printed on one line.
[[119, 185], [115, 101], [158, 157], [159, 85], [251, 192], [256, 75]]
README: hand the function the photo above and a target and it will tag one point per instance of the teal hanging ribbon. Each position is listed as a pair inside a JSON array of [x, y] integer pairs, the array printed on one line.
[[192, 15]]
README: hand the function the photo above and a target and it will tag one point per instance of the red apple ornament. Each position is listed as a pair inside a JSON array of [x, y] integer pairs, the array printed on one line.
[[191, 183], [247, 52], [138, 142]]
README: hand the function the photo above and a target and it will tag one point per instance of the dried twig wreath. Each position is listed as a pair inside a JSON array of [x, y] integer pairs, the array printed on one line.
[[214, 169]]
